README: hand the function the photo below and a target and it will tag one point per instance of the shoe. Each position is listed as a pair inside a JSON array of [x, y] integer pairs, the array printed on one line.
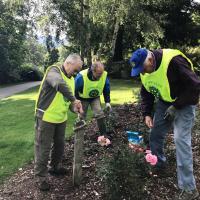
[[44, 186], [188, 195], [57, 171]]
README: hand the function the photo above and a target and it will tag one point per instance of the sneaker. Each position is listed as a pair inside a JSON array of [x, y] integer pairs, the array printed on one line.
[[44, 186], [57, 171], [188, 195]]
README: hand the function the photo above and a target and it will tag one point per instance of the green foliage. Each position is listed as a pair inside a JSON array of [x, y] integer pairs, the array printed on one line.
[[63, 53], [30, 73], [194, 54], [124, 174], [53, 53], [51, 57], [91, 25], [189, 32], [111, 29], [111, 119], [12, 35], [34, 53]]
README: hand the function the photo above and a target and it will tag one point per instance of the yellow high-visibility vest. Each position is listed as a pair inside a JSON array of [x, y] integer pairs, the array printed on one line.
[[157, 82], [92, 89], [57, 110]]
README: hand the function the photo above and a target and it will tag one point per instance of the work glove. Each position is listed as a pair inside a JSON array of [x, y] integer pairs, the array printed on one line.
[[170, 113], [108, 107]]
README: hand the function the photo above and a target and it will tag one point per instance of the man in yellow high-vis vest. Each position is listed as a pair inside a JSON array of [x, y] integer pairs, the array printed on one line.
[[168, 76], [89, 85], [55, 97]]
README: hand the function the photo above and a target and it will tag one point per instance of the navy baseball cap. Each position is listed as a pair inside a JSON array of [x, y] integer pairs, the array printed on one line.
[[137, 59]]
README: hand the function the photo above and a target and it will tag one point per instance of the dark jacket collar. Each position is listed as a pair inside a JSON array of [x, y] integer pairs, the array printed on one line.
[[90, 75], [64, 71]]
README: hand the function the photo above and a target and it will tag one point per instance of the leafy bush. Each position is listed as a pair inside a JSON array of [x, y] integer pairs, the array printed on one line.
[[111, 119], [29, 73], [124, 174], [120, 69], [194, 55]]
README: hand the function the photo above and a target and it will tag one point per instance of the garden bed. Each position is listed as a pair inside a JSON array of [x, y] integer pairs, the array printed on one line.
[[21, 185]]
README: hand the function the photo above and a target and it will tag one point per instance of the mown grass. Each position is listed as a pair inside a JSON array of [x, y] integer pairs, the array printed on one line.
[[17, 124]]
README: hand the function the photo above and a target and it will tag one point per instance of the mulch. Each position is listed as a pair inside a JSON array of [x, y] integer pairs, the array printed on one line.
[[21, 185]]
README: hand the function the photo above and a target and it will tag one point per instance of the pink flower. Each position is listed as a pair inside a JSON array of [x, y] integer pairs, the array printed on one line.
[[107, 142], [100, 138], [103, 141], [152, 159]]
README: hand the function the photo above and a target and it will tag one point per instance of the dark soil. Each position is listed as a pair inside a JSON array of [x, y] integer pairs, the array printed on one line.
[[21, 185]]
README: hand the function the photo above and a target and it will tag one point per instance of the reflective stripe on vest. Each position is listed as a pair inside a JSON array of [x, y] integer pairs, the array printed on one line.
[[157, 82], [92, 89], [57, 110]]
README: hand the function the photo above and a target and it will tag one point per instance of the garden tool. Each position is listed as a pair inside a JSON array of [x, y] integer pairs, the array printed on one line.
[[79, 129], [170, 113], [79, 123]]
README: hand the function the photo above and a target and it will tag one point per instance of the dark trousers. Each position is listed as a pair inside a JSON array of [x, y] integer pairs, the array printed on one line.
[[49, 141]]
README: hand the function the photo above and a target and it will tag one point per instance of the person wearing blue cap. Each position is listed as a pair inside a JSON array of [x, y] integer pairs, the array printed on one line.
[[168, 76]]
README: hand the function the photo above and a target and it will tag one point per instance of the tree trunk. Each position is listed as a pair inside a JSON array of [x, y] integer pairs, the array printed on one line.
[[115, 34], [88, 32], [81, 31], [118, 46]]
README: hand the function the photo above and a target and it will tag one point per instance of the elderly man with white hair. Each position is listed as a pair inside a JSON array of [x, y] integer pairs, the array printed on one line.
[[168, 76], [89, 85], [56, 96]]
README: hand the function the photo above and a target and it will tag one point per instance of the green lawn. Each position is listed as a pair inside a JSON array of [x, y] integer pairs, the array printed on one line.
[[17, 124]]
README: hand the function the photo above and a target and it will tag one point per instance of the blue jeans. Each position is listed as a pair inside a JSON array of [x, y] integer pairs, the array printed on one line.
[[182, 125]]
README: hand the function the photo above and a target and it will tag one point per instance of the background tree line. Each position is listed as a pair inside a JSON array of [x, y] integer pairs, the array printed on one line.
[[108, 29]]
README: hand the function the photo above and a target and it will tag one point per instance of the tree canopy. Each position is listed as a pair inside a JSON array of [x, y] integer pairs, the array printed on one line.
[[108, 29]]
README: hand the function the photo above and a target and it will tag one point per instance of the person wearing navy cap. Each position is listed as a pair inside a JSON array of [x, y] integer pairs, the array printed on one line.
[[168, 76]]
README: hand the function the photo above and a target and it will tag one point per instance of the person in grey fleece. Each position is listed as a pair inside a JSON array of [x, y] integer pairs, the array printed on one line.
[[55, 96]]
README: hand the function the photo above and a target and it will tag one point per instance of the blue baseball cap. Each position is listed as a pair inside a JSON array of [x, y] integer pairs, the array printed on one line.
[[137, 59]]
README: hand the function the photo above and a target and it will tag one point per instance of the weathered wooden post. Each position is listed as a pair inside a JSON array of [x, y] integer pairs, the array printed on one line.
[[79, 129]]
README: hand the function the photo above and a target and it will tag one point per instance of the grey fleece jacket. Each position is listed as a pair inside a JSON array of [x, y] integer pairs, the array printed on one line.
[[53, 83]]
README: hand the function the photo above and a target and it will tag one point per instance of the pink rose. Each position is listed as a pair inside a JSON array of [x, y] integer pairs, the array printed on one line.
[[100, 138], [103, 141], [107, 142], [152, 159]]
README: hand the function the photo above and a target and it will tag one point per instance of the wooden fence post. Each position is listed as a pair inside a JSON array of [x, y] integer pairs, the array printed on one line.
[[79, 130]]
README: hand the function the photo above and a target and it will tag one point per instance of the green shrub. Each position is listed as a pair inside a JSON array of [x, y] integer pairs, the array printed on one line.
[[124, 174], [28, 73], [111, 119], [194, 55]]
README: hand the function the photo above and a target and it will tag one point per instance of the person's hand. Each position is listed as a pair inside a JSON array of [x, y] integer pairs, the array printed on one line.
[[108, 107], [149, 121], [77, 106], [170, 113]]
